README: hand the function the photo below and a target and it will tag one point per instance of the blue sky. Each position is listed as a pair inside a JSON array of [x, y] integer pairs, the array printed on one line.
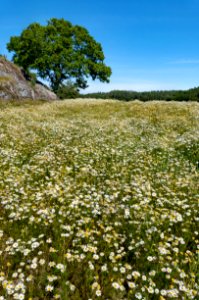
[[149, 44]]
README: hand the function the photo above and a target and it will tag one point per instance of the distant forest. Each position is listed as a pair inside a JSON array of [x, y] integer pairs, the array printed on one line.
[[174, 95]]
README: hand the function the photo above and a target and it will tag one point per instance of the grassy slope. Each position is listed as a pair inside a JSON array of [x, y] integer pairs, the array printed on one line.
[[99, 200]]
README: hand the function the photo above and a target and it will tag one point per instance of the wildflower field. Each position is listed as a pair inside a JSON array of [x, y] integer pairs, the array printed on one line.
[[99, 200]]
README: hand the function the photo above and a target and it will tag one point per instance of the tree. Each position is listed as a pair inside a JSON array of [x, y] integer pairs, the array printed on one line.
[[59, 52], [67, 91]]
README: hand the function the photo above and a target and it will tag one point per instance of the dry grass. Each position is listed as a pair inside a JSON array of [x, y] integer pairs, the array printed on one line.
[[99, 200]]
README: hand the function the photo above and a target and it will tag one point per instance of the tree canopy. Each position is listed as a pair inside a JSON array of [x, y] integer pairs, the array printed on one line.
[[59, 52]]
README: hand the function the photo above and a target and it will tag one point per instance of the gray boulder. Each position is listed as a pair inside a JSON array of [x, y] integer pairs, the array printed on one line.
[[14, 85]]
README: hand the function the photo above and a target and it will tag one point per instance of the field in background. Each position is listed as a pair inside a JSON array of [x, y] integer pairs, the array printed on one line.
[[99, 200]]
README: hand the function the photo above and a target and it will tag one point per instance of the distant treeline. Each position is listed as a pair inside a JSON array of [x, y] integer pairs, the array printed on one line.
[[174, 95]]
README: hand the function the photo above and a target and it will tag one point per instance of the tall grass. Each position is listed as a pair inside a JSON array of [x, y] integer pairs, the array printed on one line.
[[99, 200]]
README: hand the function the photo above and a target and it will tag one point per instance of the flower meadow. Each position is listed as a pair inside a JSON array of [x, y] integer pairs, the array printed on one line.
[[99, 200]]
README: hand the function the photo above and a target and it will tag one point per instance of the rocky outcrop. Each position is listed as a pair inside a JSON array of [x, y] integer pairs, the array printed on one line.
[[14, 85]]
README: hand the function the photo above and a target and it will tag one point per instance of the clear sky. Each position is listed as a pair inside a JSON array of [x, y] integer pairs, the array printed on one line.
[[149, 44]]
